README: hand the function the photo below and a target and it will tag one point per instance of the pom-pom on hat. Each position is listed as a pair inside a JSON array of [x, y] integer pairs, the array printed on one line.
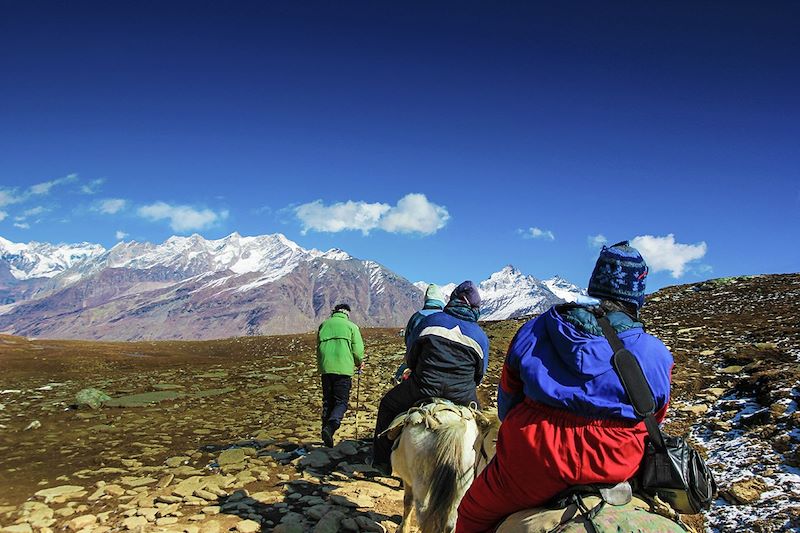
[[619, 274], [468, 293]]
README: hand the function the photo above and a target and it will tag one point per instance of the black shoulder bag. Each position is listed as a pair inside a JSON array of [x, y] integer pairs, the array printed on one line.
[[671, 468]]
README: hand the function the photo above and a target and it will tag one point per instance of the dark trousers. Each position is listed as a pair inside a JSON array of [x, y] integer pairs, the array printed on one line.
[[335, 395], [401, 398]]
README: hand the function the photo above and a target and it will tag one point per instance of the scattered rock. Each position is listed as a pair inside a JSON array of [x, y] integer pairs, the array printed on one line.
[[62, 491], [81, 522], [93, 398], [745, 492], [135, 523], [248, 526]]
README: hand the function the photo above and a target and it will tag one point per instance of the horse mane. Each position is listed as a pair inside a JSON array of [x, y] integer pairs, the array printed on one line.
[[443, 489]]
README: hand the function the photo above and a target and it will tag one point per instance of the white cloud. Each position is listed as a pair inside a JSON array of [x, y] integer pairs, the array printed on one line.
[[537, 233], [34, 211], [341, 216], [414, 213], [22, 225], [182, 218], [3, 215], [663, 253], [44, 187], [110, 206], [92, 186], [9, 196], [597, 241], [120, 235]]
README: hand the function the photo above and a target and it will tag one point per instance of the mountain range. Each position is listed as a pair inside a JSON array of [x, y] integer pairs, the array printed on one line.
[[194, 288]]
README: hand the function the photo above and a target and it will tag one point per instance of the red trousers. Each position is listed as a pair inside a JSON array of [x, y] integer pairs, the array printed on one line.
[[541, 451]]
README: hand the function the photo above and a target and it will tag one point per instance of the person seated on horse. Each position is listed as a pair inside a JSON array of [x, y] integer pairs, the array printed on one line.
[[448, 356], [434, 303], [566, 417]]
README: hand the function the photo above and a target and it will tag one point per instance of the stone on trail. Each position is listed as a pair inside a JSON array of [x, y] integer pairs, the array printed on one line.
[[80, 522], [176, 461], [19, 528], [316, 459], [349, 524], [187, 487], [698, 409], [62, 491], [365, 524], [330, 523], [745, 491], [248, 526], [290, 527], [165, 481], [135, 523], [94, 398], [33, 425], [232, 456]]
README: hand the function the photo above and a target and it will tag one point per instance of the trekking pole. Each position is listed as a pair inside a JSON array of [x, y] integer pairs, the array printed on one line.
[[358, 398]]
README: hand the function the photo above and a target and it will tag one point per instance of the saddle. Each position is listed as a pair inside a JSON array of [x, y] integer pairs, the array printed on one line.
[[429, 412], [597, 509]]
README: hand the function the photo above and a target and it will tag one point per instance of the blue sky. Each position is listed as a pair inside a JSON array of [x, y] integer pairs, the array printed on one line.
[[443, 139]]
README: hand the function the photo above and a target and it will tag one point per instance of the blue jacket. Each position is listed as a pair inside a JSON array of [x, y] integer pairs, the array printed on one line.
[[431, 306], [449, 354], [565, 362]]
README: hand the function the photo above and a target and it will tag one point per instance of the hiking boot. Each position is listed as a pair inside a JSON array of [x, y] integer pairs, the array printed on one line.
[[384, 468], [327, 436]]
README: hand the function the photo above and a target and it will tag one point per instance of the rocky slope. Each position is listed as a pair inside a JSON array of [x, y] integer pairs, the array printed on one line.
[[220, 435]]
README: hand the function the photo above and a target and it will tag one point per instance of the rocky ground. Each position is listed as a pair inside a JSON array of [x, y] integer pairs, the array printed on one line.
[[224, 435]]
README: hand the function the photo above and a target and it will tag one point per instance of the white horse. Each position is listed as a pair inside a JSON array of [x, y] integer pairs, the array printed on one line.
[[436, 458]]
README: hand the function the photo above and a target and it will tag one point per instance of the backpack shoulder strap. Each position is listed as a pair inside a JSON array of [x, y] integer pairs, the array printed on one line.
[[633, 381]]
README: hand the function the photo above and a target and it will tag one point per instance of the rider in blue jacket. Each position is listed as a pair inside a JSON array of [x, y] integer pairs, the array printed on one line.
[[448, 356]]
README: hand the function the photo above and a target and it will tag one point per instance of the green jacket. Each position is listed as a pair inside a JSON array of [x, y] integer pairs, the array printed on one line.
[[339, 346]]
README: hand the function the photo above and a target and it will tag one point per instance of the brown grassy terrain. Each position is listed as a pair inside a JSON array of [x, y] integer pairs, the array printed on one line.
[[736, 346]]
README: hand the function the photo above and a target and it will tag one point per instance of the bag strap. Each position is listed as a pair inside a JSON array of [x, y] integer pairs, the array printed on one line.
[[633, 381]]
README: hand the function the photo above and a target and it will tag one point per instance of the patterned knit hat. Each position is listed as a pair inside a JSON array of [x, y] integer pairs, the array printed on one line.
[[467, 292], [619, 274]]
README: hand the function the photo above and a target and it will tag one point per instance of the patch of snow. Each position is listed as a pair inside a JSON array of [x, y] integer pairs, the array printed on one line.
[[735, 455]]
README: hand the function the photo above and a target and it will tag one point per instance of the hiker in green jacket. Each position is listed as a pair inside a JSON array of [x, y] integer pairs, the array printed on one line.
[[340, 351]]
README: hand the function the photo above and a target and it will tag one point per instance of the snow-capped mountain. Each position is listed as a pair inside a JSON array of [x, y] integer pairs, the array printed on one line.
[[509, 293], [42, 260], [190, 287], [446, 289], [565, 290]]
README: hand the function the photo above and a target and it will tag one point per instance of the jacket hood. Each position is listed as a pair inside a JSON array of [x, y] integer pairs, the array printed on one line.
[[433, 303], [582, 353]]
